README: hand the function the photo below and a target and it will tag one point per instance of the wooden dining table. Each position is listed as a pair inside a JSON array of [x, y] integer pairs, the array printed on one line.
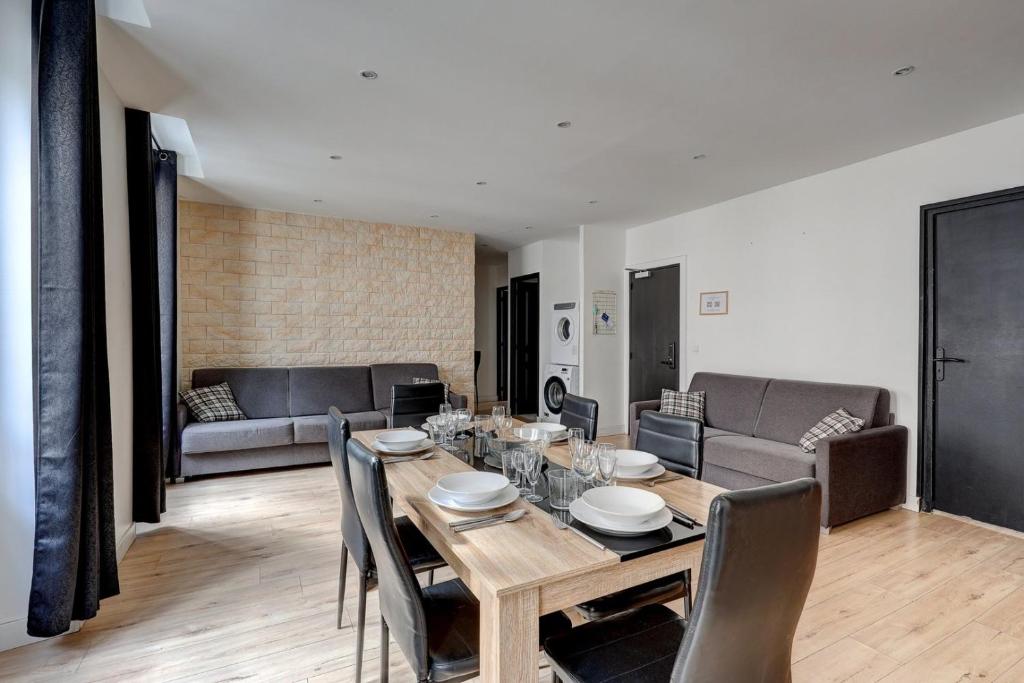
[[522, 570]]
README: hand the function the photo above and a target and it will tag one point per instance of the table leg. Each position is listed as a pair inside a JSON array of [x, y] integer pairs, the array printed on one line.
[[509, 637]]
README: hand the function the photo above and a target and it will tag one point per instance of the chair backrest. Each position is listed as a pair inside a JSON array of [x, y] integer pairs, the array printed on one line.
[[675, 440], [580, 412], [352, 533], [401, 601], [412, 404], [759, 558]]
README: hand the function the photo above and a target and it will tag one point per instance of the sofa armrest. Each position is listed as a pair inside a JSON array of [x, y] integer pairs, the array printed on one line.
[[457, 400], [861, 473], [635, 409], [174, 466]]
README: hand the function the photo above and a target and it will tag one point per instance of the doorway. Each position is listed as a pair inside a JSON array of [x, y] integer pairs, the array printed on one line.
[[524, 338], [653, 332], [971, 457], [502, 341]]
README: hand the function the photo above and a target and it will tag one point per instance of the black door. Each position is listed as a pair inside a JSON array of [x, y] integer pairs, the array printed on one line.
[[653, 332], [502, 336], [524, 333], [972, 355]]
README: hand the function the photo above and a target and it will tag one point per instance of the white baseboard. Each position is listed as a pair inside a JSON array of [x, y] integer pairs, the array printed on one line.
[[125, 542], [612, 430]]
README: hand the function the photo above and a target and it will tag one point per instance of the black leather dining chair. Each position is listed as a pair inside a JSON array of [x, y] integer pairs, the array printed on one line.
[[437, 627], [422, 556], [677, 441], [759, 559], [580, 412], [412, 404]]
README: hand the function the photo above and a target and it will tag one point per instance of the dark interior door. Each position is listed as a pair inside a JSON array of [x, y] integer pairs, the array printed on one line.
[[653, 332], [973, 358], [524, 333], [502, 337]]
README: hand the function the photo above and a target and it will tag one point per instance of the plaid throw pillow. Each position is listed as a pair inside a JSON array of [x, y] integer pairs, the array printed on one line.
[[427, 380], [212, 404], [683, 403], [839, 422]]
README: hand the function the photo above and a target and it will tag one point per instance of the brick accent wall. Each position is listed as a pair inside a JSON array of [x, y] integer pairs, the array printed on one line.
[[265, 288]]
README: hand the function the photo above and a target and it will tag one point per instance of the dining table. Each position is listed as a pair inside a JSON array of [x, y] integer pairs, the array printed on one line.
[[521, 570]]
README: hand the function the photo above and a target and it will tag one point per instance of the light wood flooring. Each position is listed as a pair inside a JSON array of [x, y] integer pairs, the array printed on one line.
[[239, 582]]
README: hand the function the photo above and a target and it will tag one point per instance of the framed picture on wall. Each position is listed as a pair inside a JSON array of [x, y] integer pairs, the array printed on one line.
[[714, 303]]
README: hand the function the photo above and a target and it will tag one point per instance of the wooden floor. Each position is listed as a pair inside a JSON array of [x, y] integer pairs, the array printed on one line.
[[239, 582]]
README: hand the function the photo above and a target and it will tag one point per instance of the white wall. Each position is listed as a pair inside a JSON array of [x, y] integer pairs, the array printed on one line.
[[489, 276], [119, 306], [17, 476], [823, 271], [602, 266]]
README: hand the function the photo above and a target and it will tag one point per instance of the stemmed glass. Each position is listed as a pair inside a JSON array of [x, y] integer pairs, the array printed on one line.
[[584, 463], [451, 424], [575, 439], [533, 463], [519, 462], [444, 411], [606, 462]]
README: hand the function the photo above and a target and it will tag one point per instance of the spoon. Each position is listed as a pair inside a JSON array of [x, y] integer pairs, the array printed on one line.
[[509, 517]]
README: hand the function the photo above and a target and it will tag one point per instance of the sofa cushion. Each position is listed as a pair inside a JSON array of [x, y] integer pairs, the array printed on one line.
[[260, 392], [711, 432], [209, 437], [759, 457], [313, 428], [313, 390], [732, 401], [385, 375], [791, 408]]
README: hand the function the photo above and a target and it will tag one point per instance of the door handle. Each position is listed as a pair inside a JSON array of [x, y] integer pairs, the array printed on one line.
[[940, 361], [671, 360]]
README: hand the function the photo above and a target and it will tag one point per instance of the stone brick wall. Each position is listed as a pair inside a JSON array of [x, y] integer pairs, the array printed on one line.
[[265, 288]]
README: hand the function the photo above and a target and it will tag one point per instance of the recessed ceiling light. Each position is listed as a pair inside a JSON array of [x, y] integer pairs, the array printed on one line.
[[481, 182], [317, 201], [335, 157], [698, 157], [564, 124], [434, 215], [368, 74], [592, 201], [528, 227], [904, 70]]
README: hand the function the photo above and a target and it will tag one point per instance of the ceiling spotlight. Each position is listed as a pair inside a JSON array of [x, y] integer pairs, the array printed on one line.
[[368, 75], [434, 215], [335, 157], [592, 201], [904, 70], [698, 157], [481, 182], [317, 201], [564, 124]]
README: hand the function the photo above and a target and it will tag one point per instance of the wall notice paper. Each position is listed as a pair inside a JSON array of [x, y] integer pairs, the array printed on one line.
[[605, 314]]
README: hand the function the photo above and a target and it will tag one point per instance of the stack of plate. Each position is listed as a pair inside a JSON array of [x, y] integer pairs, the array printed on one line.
[[402, 442], [535, 430], [635, 465], [621, 511], [473, 491]]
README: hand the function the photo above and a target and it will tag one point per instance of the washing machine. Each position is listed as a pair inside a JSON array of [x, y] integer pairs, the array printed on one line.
[[557, 381], [565, 343]]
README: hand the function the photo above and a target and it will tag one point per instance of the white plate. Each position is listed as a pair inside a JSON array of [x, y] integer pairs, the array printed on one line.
[[656, 471], [468, 488], [506, 496], [581, 511], [528, 433], [424, 445], [627, 505], [400, 438], [634, 462]]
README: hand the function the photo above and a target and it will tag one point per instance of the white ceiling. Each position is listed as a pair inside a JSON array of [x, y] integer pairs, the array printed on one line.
[[468, 91]]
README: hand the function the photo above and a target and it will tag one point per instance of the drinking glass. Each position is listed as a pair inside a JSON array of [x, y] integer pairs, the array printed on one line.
[[464, 417], [508, 466], [575, 439], [451, 424], [561, 488], [584, 464], [533, 463], [519, 461], [497, 411], [606, 462]]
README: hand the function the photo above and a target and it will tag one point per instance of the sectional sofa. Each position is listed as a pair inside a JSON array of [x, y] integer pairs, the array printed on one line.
[[752, 427], [287, 413]]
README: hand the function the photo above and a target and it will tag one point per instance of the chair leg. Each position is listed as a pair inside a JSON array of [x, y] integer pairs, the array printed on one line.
[[384, 643], [361, 627], [430, 578], [341, 581], [688, 598]]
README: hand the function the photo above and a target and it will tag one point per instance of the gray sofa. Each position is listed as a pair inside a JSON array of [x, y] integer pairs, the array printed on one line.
[[287, 411], [752, 427]]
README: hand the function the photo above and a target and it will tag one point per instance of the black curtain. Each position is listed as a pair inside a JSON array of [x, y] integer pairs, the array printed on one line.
[[74, 559], [152, 409], [165, 190]]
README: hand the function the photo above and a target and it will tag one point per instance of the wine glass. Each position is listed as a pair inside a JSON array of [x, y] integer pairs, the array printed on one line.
[[519, 462], [606, 463], [584, 463], [451, 424], [533, 463], [575, 439]]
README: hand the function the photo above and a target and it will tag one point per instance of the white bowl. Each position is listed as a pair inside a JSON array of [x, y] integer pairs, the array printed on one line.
[[472, 487], [552, 427], [399, 438], [434, 419], [633, 462], [624, 504]]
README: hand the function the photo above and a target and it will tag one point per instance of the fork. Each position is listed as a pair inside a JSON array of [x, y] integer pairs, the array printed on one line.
[[559, 524], [663, 479]]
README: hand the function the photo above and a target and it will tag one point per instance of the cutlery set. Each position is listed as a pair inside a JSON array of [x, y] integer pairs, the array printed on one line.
[[481, 522]]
